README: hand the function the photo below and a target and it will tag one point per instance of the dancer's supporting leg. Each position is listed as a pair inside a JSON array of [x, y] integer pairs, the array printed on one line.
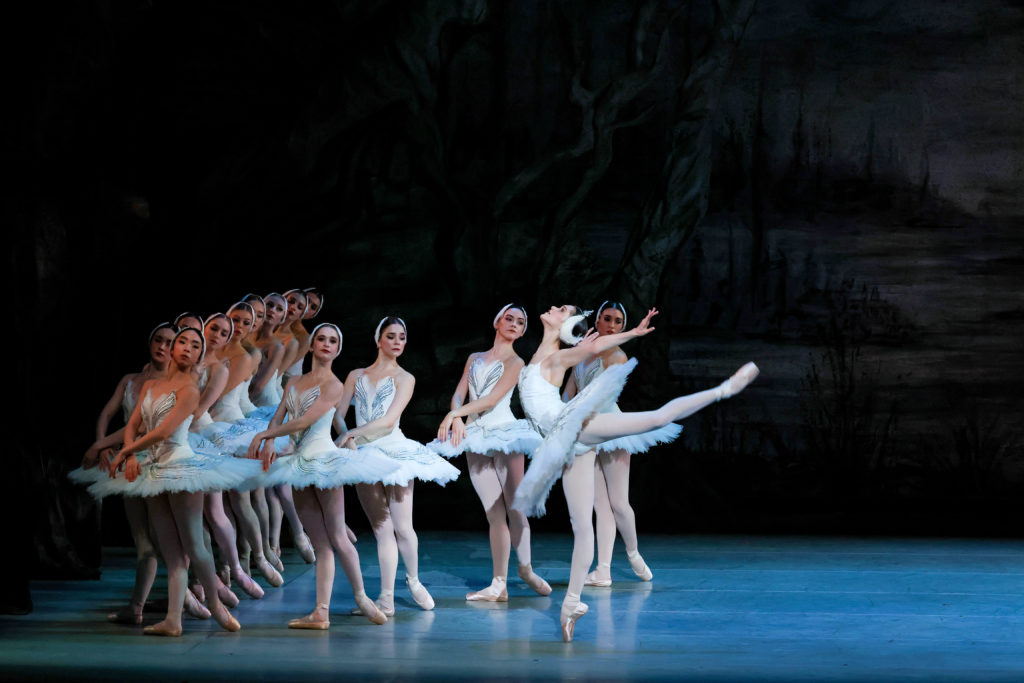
[[483, 473], [323, 514], [613, 511], [374, 500], [400, 503], [224, 534], [249, 526], [578, 484], [145, 562], [259, 504], [283, 492], [509, 469], [276, 516]]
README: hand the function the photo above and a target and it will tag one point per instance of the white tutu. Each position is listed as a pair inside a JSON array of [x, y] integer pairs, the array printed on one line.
[[84, 476], [317, 461], [561, 425], [640, 443], [512, 437]]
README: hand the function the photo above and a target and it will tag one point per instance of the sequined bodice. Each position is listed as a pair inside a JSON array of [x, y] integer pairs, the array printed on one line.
[[372, 402], [483, 377], [153, 412], [297, 404], [585, 372]]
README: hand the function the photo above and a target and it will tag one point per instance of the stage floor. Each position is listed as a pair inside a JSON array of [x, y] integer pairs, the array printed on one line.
[[719, 609]]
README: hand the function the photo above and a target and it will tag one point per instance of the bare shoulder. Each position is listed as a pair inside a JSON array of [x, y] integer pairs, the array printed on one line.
[[404, 377], [617, 358]]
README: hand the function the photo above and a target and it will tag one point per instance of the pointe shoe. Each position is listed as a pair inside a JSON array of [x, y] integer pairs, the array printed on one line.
[[569, 618], [163, 629], [226, 621], [128, 615], [351, 534], [246, 583], [273, 559], [369, 610], [269, 573], [194, 608], [386, 604], [311, 621], [419, 593], [276, 549], [226, 596], [197, 590], [224, 572], [640, 567], [531, 579], [595, 579], [738, 382], [305, 548], [496, 592]]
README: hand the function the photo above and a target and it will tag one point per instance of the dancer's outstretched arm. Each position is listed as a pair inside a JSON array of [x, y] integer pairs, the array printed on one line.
[[594, 344]]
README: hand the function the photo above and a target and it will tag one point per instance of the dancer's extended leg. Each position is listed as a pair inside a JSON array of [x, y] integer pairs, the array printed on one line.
[[276, 515], [224, 534], [400, 502], [249, 526], [332, 502], [259, 504], [374, 500], [284, 497]]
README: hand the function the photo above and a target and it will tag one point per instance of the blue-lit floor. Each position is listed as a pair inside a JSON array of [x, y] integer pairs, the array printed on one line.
[[719, 609]]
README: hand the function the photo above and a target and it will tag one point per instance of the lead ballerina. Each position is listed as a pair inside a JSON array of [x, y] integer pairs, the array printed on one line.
[[572, 430], [495, 441]]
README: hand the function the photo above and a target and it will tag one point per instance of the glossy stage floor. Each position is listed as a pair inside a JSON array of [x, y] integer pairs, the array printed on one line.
[[719, 609]]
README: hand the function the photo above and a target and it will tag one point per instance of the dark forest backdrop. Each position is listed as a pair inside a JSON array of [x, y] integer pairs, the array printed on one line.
[[831, 188]]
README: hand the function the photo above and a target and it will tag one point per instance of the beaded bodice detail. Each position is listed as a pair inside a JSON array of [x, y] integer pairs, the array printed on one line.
[[372, 401], [297, 404]]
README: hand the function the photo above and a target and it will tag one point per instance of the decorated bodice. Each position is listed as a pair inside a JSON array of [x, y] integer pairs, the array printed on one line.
[[297, 404], [153, 412], [587, 372], [483, 377], [539, 397], [128, 400], [372, 402], [228, 407]]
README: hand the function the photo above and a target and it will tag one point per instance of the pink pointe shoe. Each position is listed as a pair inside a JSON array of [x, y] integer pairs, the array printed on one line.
[[496, 592], [569, 617], [598, 578]]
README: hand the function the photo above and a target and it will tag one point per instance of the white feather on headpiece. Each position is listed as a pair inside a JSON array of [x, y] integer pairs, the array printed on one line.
[[565, 333]]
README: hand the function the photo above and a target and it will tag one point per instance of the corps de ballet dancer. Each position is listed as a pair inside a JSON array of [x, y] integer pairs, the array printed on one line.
[[173, 477], [611, 476], [265, 389], [495, 442], [293, 336], [317, 469], [380, 393], [572, 430], [96, 465]]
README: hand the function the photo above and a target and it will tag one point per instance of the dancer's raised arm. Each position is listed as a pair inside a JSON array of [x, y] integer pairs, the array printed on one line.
[[594, 344]]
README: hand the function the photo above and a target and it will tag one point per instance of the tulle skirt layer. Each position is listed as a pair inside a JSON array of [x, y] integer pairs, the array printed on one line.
[[323, 465], [517, 436], [414, 460], [641, 443]]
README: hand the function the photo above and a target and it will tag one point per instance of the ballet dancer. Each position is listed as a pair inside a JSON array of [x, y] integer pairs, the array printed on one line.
[[611, 478], [293, 336], [317, 470], [266, 383], [380, 393], [572, 430], [494, 442], [173, 478]]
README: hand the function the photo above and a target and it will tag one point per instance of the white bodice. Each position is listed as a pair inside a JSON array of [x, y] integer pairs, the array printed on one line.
[[295, 370], [586, 372], [297, 404], [228, 408], [153, 412], [482, 380], [372, 402], [129, 400], [540, 398]]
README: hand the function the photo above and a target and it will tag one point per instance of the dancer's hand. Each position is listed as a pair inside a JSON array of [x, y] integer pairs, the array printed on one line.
[[253, 452], [644, 326], [588, 339], [132, 468], [348, 441], [106, 455], [458, 431], [115, 464], [268, 454]]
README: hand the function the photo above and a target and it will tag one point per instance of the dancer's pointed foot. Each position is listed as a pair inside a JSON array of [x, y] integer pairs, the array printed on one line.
[[246, 583], [273, 559], [385, 603], [194, 608], [305, 548], [351, 534], [738, 382], [640, 567], [317, 620], [531, 579], [227, 622], [226, 596], [269, 573], [601, 577], [570, 614], [132, 614], [370, 610], [165, 628], [197, 590], [224, 572], [496, 592], [419, 593]]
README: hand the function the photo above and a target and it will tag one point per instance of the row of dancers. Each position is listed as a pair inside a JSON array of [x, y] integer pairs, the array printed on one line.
[[211, 391]]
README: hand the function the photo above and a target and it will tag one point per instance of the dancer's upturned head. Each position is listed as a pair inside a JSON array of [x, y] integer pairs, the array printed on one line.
[[314, 302], [611, 318], [218, 330], [277, 308], [390, 336], [160, 340], [511, 321], [326, 344], [242, 316], [297, 304], [187, 319], [188, 348]]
